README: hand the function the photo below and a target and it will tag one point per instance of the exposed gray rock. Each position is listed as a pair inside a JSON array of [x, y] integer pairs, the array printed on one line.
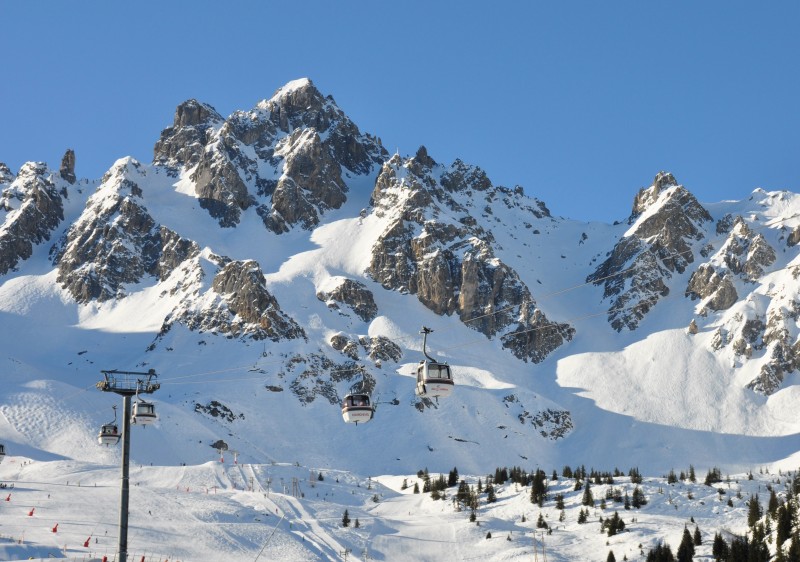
[[342, 343], [315, 375], [381, 348], [635, 274], [244, 307], [747, 253], [706, 282], [6, 176], [116, 242], [693, 329], [355, 295], [450, 266], [31, 207], [67, 171], [286, 157], [184, 143], [794, 237]]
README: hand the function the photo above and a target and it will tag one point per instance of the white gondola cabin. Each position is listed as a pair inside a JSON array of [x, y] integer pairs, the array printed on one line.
[[144, 413], [357, 408], [109, 435], [434, 379], [2, 452]]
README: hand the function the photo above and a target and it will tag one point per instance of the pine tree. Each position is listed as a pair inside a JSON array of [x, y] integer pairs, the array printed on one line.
[[452, 478], [357, 524], [661, 553], [697, 539], [686, 549], [588, 498], [490, 497], [720, 549], [416, 487], [793, 554], [611, 557], [754, 511], [582, 516], [346, 519], [692, 475]]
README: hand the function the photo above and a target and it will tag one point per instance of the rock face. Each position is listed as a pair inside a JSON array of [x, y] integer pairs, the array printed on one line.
[[31, 207], [744, 255], [449, 263], [116, 242], [666, 219], [285, 157], [240, 306], [355, 295], [67, 171]]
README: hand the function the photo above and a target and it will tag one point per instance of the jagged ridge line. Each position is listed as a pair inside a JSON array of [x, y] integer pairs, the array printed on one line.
[[549, 295]]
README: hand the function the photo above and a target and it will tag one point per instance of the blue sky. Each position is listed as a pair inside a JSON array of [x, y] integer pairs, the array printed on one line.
[[581, 103]]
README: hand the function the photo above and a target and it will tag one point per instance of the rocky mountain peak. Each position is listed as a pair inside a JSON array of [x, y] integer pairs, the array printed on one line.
[[6, 175], [183, 143], [666, 220], [449, 263], [31, 207], [648, 196], [67, 171]]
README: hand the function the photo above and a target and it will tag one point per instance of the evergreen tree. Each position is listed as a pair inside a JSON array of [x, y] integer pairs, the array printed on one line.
[[452, 478], [490, 497], [541, 523], [357, 524], [661, 553], [582, 516], [686, 549], [346, 519], [416, 487], [754, 511], [639, 498], [566, 472], [560, 501], [539, 488], [793, 554], [697, 539], [720, 549], [692, 475], [611, 557], [588, 498], [772, 504]]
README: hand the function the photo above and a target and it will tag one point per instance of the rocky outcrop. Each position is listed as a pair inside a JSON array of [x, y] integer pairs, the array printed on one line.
[[183, 144], [286, 157], [744, 255], [116, 242], [353, 294], [6, 175], [707, 283], [67, 171], [666, 219], [315, 375], [240, 306], [448, 262], [31, 207]]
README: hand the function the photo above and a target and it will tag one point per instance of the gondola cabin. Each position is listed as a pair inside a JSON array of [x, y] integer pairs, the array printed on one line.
[[434, 380], [357, 408], [144, 413], [2, 452], [109, 435]]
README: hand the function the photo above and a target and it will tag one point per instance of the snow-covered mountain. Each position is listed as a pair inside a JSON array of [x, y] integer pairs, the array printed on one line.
[[268, 263]]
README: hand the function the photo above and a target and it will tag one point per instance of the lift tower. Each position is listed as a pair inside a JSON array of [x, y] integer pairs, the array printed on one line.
[[126, 384]]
